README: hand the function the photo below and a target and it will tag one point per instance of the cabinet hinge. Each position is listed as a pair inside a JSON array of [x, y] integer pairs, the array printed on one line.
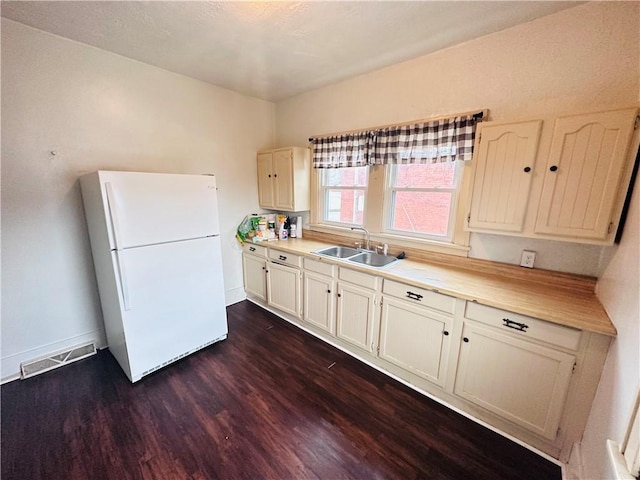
[[468, 217], [636, 124], [610, 227], [575, 364], [479, 138]]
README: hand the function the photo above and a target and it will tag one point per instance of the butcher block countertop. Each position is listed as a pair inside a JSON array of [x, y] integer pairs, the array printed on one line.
[[560, 298]]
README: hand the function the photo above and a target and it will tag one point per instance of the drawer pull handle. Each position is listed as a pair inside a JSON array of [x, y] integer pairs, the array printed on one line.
[[414, 296], [522, 327], [252, 249], [282, 257]]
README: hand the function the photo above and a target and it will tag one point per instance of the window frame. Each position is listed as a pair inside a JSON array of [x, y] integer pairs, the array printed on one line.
[[389, 197], [322, 198]]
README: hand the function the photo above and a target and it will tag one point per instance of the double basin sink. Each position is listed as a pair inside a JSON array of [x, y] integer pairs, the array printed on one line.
[[370, 259]]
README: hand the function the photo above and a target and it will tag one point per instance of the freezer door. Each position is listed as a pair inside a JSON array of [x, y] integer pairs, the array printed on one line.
[[150, 208], [173, 297]]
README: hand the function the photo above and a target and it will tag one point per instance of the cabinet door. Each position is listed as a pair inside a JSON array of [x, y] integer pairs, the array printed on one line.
[[255, 276], [319, 303], [523, 382], [415, 338], [265, 180], [356, 314], [283, 171], [503, 173], [586, 164], [283, 288]]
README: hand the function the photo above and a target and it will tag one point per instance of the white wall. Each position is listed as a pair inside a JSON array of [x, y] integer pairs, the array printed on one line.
[[100, 110], [582, 59], [619, 292]]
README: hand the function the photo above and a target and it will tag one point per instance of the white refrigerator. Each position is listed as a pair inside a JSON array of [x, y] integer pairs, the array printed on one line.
[[155, 241]]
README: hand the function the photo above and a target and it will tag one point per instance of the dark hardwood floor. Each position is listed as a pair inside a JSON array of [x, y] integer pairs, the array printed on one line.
[[265, 403]]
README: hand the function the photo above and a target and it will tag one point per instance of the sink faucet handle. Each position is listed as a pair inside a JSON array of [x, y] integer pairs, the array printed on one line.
[[358, 245], [385, 249], [379, 248]]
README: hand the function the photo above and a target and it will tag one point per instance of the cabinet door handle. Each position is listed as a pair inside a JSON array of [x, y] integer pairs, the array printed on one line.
[[252, 249], [328, 291], [465, 340], [527, 169], [264, 268], [275, 175], [553, 168], [445, 333], [339, 295], [269, 175], [414, 296], [522, 327], [282, 257]]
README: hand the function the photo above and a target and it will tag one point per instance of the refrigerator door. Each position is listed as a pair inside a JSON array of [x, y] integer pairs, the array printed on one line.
[[151, 208], [173, 300]]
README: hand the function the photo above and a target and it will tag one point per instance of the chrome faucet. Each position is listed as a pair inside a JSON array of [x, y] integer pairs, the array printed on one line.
[[368, 243]]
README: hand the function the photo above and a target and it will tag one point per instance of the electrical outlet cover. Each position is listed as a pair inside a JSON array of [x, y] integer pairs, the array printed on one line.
[[528, 258]]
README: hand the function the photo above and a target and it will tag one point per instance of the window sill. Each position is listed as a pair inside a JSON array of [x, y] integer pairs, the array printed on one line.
[[396, 240]]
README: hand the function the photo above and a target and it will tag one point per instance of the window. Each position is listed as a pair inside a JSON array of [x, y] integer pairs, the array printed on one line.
[[421, 199], [343, 192]]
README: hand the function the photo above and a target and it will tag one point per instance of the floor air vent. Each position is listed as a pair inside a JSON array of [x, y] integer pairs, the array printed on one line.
[[41, 365]]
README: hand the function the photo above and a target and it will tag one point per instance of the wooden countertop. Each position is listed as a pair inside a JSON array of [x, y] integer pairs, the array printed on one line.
[[561, 298]]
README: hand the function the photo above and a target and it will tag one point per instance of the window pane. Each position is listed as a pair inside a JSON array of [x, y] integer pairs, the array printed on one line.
[[430, 175], [345, 206], [422, 212], [345, 177]]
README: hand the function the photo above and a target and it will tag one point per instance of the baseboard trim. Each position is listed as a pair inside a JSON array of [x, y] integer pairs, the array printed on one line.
[[11, 363]]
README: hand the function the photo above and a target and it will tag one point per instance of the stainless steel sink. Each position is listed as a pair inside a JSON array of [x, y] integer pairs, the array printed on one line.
[[338, 252], [373, 259]]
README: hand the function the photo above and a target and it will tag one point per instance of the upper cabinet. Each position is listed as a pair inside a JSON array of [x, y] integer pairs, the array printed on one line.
[[574, 191], [583, 173], [504, 163], [284, 179]]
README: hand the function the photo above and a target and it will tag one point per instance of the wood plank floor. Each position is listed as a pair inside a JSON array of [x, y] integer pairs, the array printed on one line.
[[262, 404]]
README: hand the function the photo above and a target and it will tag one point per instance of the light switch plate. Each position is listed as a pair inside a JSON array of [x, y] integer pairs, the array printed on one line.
[[528, 258]]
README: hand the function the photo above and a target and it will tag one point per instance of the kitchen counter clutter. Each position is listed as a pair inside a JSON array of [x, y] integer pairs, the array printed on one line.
[[565, 299], [521, 350]]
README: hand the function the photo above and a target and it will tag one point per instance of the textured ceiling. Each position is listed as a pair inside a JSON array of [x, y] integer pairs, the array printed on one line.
[[274, 50]]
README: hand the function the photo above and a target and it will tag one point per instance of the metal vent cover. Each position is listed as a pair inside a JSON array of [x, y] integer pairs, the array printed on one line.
[[55, 360]]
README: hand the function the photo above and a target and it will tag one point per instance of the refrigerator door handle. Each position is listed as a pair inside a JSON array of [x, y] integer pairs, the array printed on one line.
[[113, 213], [124, 286]]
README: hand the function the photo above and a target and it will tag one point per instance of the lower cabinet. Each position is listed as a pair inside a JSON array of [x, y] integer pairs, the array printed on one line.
[[319, 301], [284, 288], [415, 338], [255, 275], [356, 315], [521, 381]]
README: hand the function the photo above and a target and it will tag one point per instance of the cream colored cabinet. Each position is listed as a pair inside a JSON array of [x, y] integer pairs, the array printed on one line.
[[517, 367], [585, 167], [415, 338], [284, 179], [504, 164], [254, 262], [284, 282], [319, 295], [573, 192], [356, 308]]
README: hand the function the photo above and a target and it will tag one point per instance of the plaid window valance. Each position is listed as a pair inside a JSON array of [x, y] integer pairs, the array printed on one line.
[[349, 150], [444, 140], [439, 141]]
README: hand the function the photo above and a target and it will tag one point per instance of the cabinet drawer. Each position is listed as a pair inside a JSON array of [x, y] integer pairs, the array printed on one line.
[[254, 249], [525, 326], [434, 300], [359, 278], [319, 267], [285, 258]]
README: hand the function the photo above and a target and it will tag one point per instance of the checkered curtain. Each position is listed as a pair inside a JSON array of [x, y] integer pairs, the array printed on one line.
[[348, 150], [438, 141]]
